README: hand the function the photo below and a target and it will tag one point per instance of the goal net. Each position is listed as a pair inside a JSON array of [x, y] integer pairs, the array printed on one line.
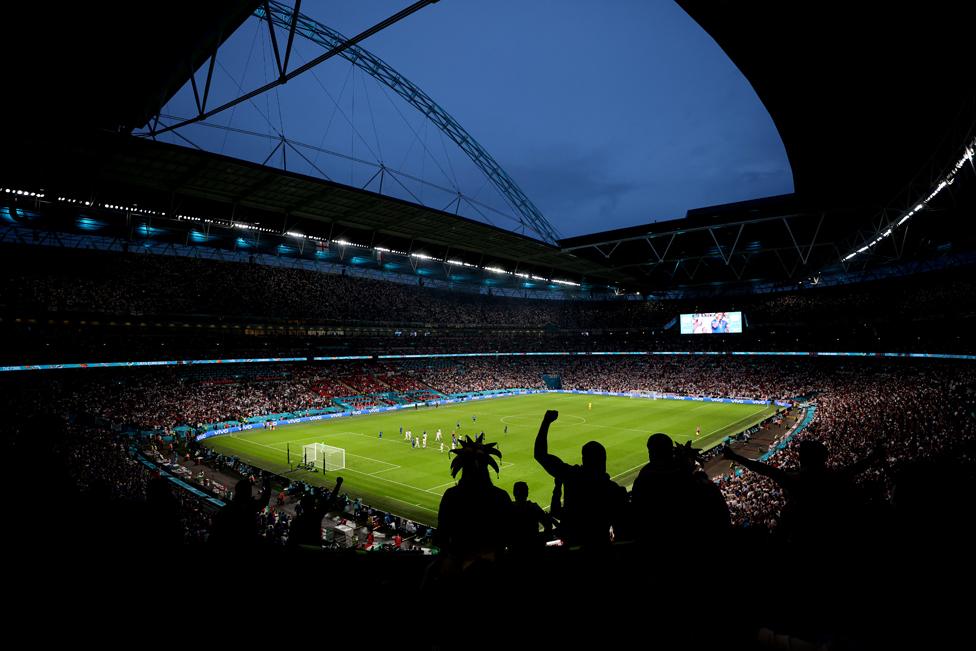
[[324, 457]]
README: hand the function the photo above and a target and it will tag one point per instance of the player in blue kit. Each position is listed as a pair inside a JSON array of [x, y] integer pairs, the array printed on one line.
[[720, 324]]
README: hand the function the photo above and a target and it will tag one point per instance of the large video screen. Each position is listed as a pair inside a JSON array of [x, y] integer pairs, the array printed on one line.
[[711, 323]]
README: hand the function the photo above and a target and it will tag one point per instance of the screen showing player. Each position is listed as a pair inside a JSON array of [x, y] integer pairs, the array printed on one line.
[[711, 323]]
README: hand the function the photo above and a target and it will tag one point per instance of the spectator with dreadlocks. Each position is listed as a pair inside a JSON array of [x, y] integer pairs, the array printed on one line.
[[471, 527], [473, 514]]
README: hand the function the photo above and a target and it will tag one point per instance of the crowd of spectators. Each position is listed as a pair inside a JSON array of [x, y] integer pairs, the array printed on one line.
[[915, 413], [123, 497], [160, 285], [158, 399], [75, 306], [168, 400]]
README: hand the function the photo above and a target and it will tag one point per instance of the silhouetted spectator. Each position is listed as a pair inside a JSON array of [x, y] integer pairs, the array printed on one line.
[[306, 528], [236, 525], [556, 503], [163, 527], [473, 514], [672, 503], [526, 517], [821, 504], [593, 502]]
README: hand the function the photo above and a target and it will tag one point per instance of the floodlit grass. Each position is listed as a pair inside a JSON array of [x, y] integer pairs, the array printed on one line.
[[388, 474]]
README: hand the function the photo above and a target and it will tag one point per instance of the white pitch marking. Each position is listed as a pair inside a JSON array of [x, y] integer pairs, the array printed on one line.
[[347, 469]]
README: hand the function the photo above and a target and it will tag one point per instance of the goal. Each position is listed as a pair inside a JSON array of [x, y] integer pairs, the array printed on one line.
[[324, 457]]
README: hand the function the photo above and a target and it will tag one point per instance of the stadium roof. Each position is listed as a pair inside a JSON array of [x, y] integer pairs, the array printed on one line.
[[79, 66], [178, 180]]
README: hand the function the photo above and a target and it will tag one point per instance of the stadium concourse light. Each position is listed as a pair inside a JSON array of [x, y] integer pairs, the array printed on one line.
[[25, 193]]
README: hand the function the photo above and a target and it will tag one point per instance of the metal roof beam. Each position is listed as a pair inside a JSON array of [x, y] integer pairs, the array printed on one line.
[[678, 231], [337, 49], [728, 258], [660, 256], [687, 258]]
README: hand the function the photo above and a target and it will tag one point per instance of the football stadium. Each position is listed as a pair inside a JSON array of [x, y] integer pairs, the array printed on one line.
[[667, 344], [403, 475]]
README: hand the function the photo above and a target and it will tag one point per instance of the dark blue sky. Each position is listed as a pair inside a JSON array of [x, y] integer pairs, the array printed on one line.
[[607, 114]]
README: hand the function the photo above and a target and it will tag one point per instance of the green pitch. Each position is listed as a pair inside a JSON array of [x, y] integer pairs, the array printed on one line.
[[390, 475]]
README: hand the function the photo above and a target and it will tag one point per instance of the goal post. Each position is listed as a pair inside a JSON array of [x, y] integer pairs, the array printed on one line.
[[333, 458], [324, 457]]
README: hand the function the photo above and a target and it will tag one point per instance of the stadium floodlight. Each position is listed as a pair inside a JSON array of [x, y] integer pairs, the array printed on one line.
[[948, 179], [324, 457]]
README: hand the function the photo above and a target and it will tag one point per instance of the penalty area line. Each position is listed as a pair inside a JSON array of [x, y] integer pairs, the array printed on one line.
[[358, 472]]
